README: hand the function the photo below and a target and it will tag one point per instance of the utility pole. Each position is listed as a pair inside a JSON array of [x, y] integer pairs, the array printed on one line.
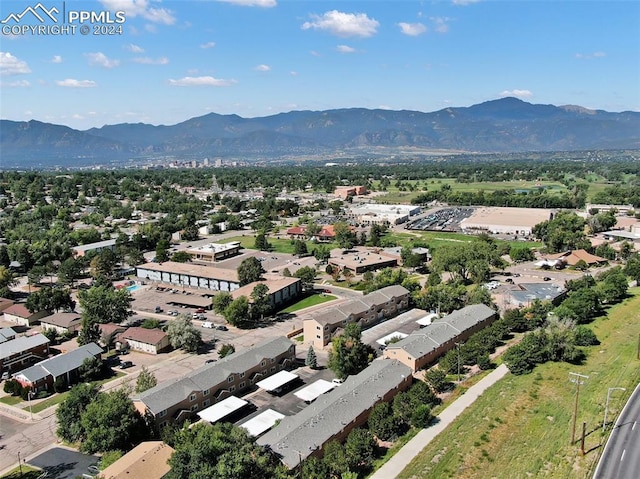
[[606, 407], [578, 379]]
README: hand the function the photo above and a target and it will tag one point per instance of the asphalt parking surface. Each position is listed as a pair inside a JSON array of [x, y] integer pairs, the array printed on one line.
[[62, 463]]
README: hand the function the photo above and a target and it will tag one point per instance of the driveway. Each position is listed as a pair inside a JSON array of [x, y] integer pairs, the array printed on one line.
[[62, 463]]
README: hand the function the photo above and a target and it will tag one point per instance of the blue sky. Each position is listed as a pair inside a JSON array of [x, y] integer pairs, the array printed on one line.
[[177, 60]]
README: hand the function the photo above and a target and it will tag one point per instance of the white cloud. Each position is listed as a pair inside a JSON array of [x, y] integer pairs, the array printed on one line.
[[208, 45], [151, 61], [10, 65], [315, 53], [134, 48], [441, 24], [201, 81], [293, 73], [589, 56], [72, 83], [517, 93], [412, 29], [141, 8], [15, 84], [464, 2], [56, 59], [263, 68], [343, 24], [252, 3], [100, 59], [345, 49]]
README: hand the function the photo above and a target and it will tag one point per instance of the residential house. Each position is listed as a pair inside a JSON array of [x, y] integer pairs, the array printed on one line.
[[63, 323], [333, 415], [425, 346], [148, 460], [43, 375], [180, 399], [22, 352], [5, 303], [570, 258], [372, 308], [152, 341], [19, 314]]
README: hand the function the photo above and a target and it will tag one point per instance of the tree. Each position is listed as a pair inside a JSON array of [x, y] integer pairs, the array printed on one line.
[[181, 257], [307, 276], [564, 232], [349, 354], [335, 458], [312, 359], [221, 451], [89, 332], [146, 380], [51, 334], [520, 254], [105, 304], [111, 422], [261, 243], [183, 335], [70, 410], [321, 253], [260, 300], [237, 312], [300, 248], [345, 238], [91, 369], [383, 423], [250, 270], [226, 350], [7, 280], [220, 302], [50, 299], [162, 251], [421, 416], [437, 379]]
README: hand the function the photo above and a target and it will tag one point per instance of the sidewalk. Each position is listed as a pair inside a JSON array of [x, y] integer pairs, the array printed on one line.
[[405, 455]]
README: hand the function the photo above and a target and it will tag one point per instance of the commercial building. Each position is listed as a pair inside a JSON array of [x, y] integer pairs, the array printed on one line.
[[7, 334], [333, 415], [570, 258], [505, 221], [281, 290], [43, 375], [190, 275], [425, 346], [370, 214], [215, 251], [180, 399], [523, 294], [362, 260], [374, 307], [345, 191], [22, 352]]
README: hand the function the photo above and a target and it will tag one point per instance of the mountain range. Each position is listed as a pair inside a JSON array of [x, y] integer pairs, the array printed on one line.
[[503, 125]]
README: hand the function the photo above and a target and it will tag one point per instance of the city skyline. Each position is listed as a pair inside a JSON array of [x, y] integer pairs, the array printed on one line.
[[253, 58]]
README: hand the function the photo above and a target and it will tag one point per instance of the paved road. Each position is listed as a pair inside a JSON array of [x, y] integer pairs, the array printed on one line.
[[621, 456], [411, 449]]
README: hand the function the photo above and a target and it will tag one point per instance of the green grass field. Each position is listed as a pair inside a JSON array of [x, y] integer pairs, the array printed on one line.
[[278, 245], [23, 472], [521, 427], [11, 400], [309, 301]]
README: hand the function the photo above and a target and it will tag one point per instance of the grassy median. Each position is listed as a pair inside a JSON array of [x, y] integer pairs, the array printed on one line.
[[522, 426]]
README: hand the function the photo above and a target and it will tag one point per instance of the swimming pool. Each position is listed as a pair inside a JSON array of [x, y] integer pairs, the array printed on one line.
[[133, 287]]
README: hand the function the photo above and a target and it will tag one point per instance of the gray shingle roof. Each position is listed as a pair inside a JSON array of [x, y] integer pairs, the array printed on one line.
[[296, 437], [61, 364], [165, 395], [422, 342], [23, 343]]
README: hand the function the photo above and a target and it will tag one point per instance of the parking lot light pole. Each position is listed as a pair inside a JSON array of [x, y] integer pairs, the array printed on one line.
[[606, 407], [29, 399]]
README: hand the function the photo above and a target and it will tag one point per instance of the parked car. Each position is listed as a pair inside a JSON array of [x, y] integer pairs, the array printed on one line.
[[546, 278], [200, 310], [5, 375], [222, 327], [337, 381], [209, 361], [94, 469], [126, 364], [173, 312], [508, 280], [158, 309], [208, 325]]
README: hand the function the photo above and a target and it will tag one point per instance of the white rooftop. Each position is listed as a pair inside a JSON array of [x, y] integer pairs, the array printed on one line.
[[396, 334], [314, 390], [222, 409], [277, 380], [262, 422], [216, 247], [426, 320]]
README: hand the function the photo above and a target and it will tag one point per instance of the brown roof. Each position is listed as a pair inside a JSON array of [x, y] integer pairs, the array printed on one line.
[[5, 303], [203, 271], [64, 320], [19, 310], [143, 335], [572, 257], [274, 284], [148, 460], [110, 328]]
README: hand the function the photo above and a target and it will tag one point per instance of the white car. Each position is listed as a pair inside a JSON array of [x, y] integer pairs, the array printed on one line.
[[208, 324]]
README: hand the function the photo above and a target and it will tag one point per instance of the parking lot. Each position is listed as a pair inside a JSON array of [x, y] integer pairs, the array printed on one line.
[[61, 463], [446, 219]]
